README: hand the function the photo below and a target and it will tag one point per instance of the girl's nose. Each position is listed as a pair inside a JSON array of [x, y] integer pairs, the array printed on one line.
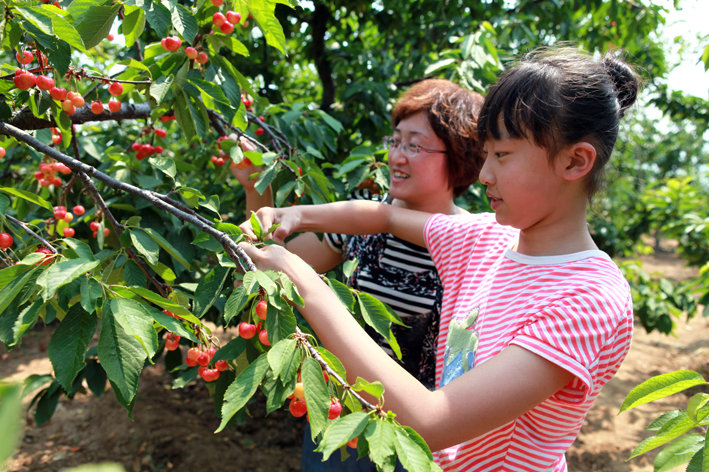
[[486, 176]]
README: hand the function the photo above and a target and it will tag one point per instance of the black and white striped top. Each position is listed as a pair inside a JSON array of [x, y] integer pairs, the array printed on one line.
[[403, 276]]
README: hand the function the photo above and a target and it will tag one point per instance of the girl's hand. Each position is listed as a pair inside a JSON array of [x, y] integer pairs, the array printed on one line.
[[278, 258]]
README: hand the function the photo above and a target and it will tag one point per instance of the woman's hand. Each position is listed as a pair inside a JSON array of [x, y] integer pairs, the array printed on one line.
[[288, 219], [245, 169], [278, 258]]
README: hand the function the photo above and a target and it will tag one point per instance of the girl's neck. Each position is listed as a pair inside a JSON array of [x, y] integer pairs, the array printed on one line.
[[563, 237], [442, 205]]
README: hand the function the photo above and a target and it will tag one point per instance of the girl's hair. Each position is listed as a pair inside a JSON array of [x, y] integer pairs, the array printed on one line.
[[452, 113], [560, 97]]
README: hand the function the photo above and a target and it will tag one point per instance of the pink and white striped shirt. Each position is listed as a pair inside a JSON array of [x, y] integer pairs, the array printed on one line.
[[574, 310]]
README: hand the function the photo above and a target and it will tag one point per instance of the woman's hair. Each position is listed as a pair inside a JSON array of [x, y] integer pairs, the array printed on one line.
[[452, 113], [560, 97]]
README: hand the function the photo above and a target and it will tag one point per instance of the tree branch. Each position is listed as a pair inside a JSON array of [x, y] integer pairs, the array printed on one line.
[[25, 120]]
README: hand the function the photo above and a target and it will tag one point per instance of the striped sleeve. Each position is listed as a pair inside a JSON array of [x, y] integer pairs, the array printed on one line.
[[587, 332], [338, 241]]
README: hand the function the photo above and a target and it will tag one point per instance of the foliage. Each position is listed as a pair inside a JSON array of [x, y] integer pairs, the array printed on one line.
[[673, 428], [155, 252]]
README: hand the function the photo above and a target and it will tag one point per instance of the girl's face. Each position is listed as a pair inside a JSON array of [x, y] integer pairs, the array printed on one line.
[[420, 181], [522, 184]]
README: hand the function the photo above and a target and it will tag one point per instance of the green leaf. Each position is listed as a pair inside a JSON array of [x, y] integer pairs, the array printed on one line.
[[280, 323], [242, 389], [30, 197], [280, 356], [235, 303], [165, 303], [26, 320], [62, 273], [342, 430], [11, 413], [159, 88], [47, 403], [697, 401], [317, 395], [69, 343], [379, 316], [145, 245], [14, 287], [262, 12], [133, 23], [661, 386], [121, 355], [101, 467], [168, 247], [381, 437], [343, 292], [412, 451], [670, 431], [376, 389], [136, 319], [95, 24], [208, 290], [679, 452], [184, 22]]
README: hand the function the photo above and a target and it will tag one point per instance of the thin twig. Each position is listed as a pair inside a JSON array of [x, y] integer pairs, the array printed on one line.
[[27, 230]]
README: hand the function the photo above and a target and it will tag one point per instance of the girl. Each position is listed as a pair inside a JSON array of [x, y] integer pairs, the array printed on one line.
[[535, 318]]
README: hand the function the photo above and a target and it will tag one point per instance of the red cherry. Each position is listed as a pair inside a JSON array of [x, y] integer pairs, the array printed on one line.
[[48, 255], [59, 213], [259, 131], [233, 17], [106, 231], [56, 181], [96, 107], [335, 408], [94, 225], [115, 89], [263, 337], [218, 19], [193, 355], [217, 3], [69, 232], [68, 107], [136, 146], [247, 330], [114, 105], [202, 57], [191, 52], [25, 81], [172, 345], [203, 359], [160, 133], [5, 240], [226, 27], [77, 100], [79, 210], [110, 37], [209, 375], [221, 365], [325, 376], [24, 57], [2, 152], [297, 408], [158, 149], [352, 443], [262, 309], [172, 43], [58, 94], [45, 82], [262, 118]]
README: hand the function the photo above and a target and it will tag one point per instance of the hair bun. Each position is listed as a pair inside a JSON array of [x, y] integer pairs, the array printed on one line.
[[625, 81]]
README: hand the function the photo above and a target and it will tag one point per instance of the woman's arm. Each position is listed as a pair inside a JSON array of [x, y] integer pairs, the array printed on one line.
[[348, 217], [482, 399]]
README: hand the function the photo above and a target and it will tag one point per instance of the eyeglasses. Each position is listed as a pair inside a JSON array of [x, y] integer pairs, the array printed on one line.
[[408, 149]]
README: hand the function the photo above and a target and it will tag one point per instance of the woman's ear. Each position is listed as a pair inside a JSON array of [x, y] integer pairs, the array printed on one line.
[[579, 160]]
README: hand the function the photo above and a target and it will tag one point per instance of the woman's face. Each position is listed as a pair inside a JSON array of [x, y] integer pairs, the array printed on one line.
[[419, 181]]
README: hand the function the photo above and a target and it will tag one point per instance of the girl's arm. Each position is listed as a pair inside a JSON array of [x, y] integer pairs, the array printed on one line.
[[482, 399], [348, 217]]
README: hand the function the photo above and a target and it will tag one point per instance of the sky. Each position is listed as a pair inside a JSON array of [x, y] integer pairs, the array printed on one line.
[[688, 22]]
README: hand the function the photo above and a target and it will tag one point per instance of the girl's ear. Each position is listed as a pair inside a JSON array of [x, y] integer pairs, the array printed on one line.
[[579, 160]]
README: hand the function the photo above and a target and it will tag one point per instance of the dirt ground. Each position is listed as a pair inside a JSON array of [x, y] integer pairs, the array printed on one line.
[[173, 429]]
